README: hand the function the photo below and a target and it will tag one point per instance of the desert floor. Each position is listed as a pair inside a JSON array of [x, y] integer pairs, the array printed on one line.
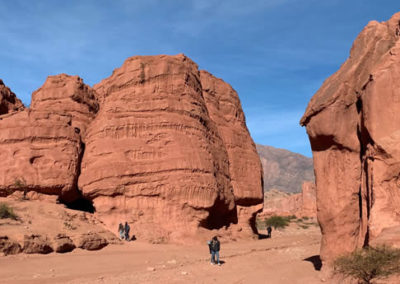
[[290, 256]]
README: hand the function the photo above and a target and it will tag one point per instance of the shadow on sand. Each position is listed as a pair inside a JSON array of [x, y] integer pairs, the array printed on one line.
[[263, 236], [316, 261]]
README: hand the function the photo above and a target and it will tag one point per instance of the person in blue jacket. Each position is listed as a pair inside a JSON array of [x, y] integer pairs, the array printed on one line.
[[214, 246]]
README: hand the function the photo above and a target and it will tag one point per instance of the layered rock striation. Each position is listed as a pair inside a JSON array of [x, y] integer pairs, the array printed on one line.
[[353, 126], [154, 151], [158, 144], [41, 146]]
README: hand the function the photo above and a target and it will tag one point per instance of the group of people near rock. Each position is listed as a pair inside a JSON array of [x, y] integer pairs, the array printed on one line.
[[124, 231]]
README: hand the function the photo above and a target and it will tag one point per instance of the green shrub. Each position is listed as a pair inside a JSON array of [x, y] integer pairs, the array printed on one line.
[[20, 184], [278, 222], [7, 212], [370, 263]]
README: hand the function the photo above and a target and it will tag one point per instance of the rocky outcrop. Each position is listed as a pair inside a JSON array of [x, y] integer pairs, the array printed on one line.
[[245, 170], [91, 241], [8, 100], [284, 170], [41, 147], [157, 140], [353, 126], [301, 204], [67, 96], [155, 151], [62, 243], [37, 244], [8, 246]]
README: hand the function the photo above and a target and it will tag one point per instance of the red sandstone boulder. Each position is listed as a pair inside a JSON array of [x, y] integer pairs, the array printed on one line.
[[62, 243], [41, 147], [91, 241], [37, 244], [8, 100], [353, 125], [8, 246]]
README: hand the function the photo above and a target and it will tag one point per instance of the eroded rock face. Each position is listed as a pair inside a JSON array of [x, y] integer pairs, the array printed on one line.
[[245, 170], [8, 100], [158, 158], [37, 244], [68, 96], [8, 246], [41, 147], [157, 144], [62, 244], [91, 241], [354, 129]]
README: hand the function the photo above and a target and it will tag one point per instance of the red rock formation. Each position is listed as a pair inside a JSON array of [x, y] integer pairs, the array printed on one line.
[[225, 110], [67, 96], [162, 151], [353, 125], [155, 151], [8, 100], [308, 199], [283, 204], [40, 147]]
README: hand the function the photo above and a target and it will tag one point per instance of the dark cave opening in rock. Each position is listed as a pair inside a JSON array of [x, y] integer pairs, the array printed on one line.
[[81, 204]]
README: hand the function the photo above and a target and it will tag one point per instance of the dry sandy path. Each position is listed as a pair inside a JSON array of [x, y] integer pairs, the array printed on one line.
[[276, 260]]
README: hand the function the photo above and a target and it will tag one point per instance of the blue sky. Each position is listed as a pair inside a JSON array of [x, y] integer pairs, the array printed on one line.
[[275, 53]]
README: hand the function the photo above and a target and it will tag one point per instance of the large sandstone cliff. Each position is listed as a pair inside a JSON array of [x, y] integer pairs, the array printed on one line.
[[353, 123], [158, 144]]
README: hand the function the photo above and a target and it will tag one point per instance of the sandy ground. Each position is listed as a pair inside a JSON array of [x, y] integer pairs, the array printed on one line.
[[281, 259]]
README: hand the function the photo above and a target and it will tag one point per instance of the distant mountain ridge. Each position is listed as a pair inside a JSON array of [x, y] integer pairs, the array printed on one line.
[[284, 170]]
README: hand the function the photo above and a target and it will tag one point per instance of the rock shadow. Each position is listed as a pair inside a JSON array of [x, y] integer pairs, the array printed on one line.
[[81, 204], [263, 236], [316, 261]]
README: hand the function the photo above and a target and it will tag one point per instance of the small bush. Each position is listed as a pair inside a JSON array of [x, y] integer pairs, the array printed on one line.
[[278, 222], [20, 184], [368, 264], [7, 212]]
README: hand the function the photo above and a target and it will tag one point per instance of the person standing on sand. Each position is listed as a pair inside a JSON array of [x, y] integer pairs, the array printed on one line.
[[127, 229], [269, 230], [215, 246], [121, 231]]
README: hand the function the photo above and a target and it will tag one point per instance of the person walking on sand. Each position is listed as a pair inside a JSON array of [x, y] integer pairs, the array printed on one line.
[[269, 230], [215, 246], [121, 231], [127, 229]]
